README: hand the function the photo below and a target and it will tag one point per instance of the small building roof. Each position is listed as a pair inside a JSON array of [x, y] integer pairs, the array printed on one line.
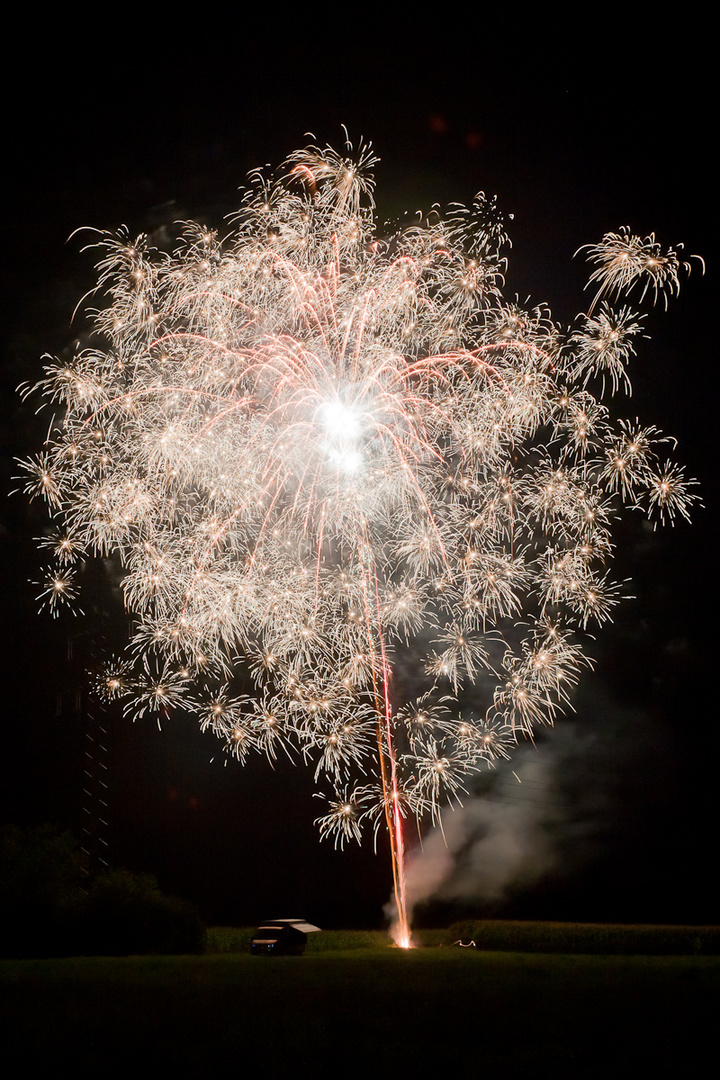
[[297, 924]]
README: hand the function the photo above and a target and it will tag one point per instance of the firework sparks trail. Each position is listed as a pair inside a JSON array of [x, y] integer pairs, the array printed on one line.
[[349, 470]]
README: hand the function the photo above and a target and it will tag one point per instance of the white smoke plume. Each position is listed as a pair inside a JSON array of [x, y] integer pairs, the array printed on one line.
[[494, 841], [550, 812]]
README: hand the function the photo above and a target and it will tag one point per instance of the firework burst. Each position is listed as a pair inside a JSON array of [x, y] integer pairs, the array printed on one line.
[[314, 454]]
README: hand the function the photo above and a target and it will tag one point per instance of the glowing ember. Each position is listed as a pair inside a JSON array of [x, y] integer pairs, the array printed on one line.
[[320, 458]]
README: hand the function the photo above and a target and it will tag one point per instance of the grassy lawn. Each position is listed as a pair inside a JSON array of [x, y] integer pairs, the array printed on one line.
[[373, 1010]]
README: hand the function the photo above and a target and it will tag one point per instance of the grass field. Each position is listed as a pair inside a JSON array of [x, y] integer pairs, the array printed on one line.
[[362, 1011]]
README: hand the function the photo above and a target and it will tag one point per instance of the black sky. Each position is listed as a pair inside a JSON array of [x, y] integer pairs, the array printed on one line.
[[577, 133]]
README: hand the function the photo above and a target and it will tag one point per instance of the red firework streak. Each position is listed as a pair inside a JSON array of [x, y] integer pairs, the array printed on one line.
[[391, 799]]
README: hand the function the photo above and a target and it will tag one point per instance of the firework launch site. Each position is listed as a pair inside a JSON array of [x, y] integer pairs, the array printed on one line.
[[352, 1003]]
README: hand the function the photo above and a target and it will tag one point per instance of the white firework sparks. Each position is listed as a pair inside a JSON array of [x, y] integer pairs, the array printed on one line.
[[314, 453]]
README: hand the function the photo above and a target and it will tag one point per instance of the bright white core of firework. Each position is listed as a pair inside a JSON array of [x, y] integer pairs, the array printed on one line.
[[344, 429]]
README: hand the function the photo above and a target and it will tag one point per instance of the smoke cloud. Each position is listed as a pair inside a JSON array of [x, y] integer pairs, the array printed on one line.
[[551, 811], [496, 840]]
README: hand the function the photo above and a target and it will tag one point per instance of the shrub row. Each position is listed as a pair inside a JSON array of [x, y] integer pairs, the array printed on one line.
[[549, 937], [506, 936]]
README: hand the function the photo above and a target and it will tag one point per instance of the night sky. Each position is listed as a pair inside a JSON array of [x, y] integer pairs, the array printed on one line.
[[615, 818]]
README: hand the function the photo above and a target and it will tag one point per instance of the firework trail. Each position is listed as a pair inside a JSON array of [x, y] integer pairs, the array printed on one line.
[[314, 453]]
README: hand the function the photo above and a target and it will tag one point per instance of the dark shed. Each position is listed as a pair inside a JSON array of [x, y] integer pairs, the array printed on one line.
[[282, 937]]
